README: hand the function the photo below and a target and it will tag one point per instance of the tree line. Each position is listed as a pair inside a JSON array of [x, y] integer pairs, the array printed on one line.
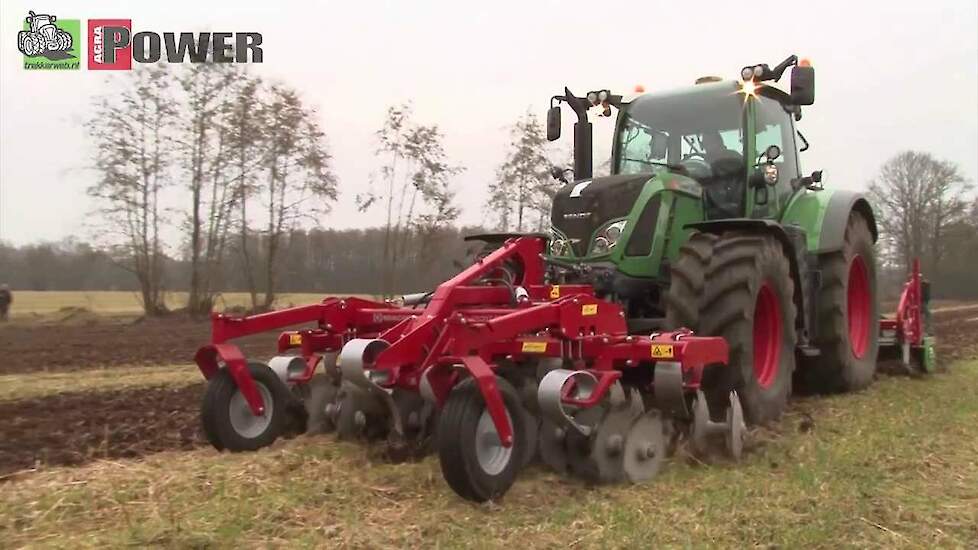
[[253, 167], [255, 177], [314, 260]]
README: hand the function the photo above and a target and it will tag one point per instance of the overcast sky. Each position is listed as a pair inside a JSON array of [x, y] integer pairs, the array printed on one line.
[[890, 76]]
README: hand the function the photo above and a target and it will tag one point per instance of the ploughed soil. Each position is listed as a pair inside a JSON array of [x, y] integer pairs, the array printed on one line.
[[73, 428], [93, 341]]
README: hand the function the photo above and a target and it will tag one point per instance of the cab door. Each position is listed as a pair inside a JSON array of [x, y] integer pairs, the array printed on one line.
[[769, 124]]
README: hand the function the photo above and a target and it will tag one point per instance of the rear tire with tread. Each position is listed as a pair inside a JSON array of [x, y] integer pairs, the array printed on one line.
[[735, 305], [837, 368]]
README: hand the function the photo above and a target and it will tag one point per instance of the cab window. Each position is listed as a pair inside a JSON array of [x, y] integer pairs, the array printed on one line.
[[774, 127]]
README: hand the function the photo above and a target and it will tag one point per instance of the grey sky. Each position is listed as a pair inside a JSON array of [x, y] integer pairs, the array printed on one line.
[[890, 76]]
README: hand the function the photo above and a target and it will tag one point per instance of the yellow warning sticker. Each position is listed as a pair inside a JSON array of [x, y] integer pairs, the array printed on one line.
[[589, 309], [295, 339], [555, 292], [662, 351], [534, 347]]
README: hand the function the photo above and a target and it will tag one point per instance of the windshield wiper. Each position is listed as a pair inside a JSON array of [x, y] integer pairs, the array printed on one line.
[[673, 167]]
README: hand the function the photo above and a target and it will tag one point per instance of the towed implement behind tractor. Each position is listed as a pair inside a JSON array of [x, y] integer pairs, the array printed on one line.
[[683, 296]]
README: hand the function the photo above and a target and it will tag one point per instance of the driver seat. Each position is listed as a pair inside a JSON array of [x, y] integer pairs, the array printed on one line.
[[723, 191]]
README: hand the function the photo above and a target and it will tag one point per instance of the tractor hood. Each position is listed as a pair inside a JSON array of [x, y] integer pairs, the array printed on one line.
[[581, 207]]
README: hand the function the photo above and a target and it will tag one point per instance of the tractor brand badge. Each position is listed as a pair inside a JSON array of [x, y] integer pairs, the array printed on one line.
[[49, 43]]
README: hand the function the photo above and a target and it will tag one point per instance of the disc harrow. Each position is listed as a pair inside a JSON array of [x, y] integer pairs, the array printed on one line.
[[494, 367]]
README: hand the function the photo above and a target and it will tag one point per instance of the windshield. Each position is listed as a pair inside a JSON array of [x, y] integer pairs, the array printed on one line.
[[690, 131]]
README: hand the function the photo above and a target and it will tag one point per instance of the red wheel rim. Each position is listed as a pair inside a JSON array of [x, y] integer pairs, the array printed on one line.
[[767, 336], [858, 307]]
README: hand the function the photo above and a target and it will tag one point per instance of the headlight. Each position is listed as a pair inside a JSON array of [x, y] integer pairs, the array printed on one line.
[[558, 247], [608, 238]]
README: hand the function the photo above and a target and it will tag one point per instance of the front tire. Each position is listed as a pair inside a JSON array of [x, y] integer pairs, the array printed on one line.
[[228, 422], [749, 301], [473, 461], [848, 312]]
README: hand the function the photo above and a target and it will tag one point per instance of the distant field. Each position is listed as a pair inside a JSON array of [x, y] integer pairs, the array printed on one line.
[[124, 302]]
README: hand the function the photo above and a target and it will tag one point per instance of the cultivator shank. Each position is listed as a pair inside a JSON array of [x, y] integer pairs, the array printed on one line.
[[551, 365]]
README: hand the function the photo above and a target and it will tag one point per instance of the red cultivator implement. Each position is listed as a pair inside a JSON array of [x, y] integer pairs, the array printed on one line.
[[509, 363]]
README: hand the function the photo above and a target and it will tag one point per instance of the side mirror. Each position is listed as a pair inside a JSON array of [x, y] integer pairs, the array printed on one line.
[[558, 173], [553, 123], [772, 153], [803, 85]]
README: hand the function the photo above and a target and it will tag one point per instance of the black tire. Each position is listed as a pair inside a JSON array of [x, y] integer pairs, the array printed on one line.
[[748, 300], [844, 363], [687, 273], [216, 416], [457, 453]]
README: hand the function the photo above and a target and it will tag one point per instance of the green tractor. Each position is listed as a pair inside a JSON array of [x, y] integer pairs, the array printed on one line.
[[707, 222]]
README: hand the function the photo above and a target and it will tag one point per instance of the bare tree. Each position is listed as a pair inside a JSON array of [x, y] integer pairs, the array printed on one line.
[[523, 190], [300, 184], [129, 129], [417, 190], [918, 197]]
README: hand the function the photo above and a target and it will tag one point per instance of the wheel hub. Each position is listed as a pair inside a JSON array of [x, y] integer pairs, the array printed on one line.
[[244, 422], [767, 336], [489, 450], [858, 307]]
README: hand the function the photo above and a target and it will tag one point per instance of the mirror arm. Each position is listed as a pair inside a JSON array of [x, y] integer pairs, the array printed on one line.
[[802, 136]]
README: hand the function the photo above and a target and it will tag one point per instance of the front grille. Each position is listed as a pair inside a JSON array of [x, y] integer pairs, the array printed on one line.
[[640, 240], [603, 200]]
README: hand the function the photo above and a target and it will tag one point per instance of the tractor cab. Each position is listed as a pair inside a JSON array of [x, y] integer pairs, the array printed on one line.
[[729, 143]]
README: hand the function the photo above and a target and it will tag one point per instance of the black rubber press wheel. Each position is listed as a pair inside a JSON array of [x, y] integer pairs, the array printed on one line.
[[473, 460], [227, 420]]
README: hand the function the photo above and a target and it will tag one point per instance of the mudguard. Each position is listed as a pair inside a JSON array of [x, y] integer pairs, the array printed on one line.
[[823, 216]]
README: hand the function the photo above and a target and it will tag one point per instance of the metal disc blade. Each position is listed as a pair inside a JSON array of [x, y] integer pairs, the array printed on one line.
[[645, 448], [551, 446], [736, 428], [699, 435]]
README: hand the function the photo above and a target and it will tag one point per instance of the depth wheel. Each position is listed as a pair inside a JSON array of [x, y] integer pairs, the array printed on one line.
[[848, 312], [473, 460], [228, 421], [749, 300]]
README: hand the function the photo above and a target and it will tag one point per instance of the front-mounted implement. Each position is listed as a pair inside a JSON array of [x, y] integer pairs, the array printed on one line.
[[505, 360]]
